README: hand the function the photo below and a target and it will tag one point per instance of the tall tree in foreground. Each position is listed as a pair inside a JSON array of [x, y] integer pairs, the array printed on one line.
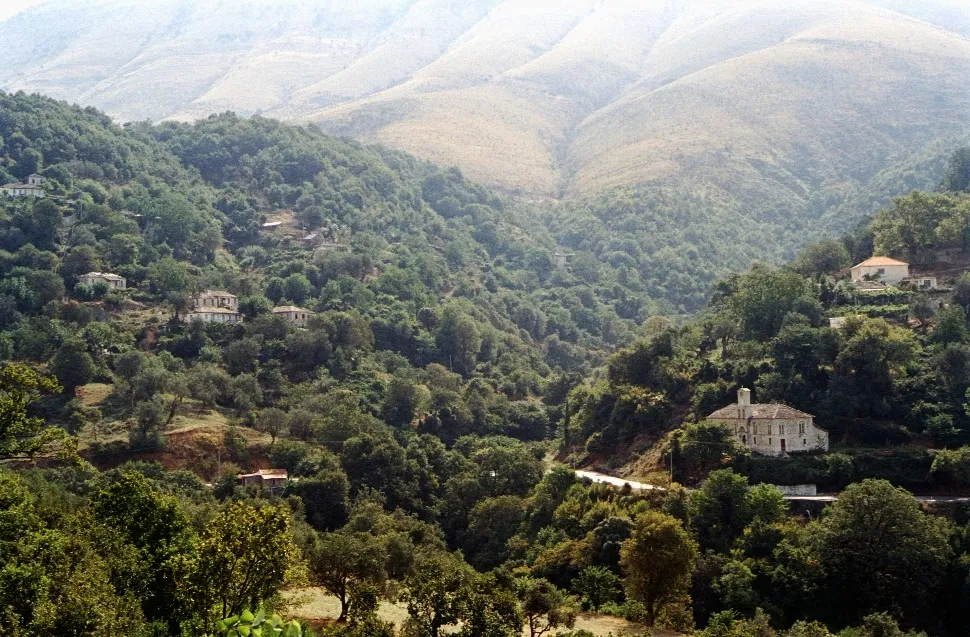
[[243, 559], [545, 608], [657, 562], [342, 562], [880, 552], [158, 528]]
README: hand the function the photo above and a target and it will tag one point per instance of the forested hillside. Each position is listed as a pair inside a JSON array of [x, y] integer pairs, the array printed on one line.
[[408, 429], [883, 366]]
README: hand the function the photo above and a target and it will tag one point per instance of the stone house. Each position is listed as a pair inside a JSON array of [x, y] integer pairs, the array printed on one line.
[[265, 478], [113, 281], [214, 315], [883, 269], [296, 315], [33, 187], [771, 430], [215, 299]]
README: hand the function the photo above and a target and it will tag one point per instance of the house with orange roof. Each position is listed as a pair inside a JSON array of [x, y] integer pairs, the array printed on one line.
[[884, 270]]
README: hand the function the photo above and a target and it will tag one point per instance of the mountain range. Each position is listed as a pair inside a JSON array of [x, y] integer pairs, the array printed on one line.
[[789, 108]]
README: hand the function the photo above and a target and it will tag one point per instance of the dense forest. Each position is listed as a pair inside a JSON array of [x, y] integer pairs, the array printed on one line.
[[461, 347]]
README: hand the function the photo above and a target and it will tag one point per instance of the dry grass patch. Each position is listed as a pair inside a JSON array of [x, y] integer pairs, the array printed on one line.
[[316, 607]]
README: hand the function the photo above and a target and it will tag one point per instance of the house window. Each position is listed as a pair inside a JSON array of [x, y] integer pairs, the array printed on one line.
[[804, 442], [801, 427], [769, 428], [770, 442], [781, 430], [881, 271], [756, 440]]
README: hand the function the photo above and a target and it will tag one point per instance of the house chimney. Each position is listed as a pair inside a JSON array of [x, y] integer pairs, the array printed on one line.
[[744, 397]]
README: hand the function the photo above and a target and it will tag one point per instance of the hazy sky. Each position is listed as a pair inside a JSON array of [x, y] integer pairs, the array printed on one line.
[[10, 7]]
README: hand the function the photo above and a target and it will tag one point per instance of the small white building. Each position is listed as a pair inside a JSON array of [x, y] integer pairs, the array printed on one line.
[[36, 180], [215, 299], [113, 281], [923, 283], [882, 269], [771, 430], [214, 315], [293, 314], [23, 190]]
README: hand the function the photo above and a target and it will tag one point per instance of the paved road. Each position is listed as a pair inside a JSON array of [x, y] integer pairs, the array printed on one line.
[[919, 498], [642, 486], [618, 482]]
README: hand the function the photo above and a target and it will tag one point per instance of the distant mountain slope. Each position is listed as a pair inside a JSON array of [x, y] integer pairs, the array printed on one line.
[[789, 109]]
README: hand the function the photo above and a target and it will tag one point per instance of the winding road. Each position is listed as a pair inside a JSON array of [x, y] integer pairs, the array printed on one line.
[[643, 486]]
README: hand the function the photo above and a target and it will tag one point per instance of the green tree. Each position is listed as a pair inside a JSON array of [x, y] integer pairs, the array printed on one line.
[[159, 530], [22, 434], [297, 288], [72, 365], [956, 178], [402, 402], [703, 447], [491, 524], [150, 417], [657, 561], [341, 562], [879, 551], [951, 326], [168, 275], [47, 287], [545, 608], [764, 297], [596, 585], [824, 257], [720, 510], [326, 498], [436, 593], [271, 421], [243, 558], [80, 260], [458, 339]]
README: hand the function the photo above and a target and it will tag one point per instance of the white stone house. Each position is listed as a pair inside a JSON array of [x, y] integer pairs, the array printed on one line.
[[296, 315], [113, 281], [883, 269], [214, 315], [215, 299], [771, 430], [36, 180], [24, 190]]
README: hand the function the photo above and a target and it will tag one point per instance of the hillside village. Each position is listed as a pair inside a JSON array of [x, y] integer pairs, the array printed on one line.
[[393, 409]]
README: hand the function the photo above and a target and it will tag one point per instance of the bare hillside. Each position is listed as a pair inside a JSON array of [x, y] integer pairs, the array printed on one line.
[[788, 106]]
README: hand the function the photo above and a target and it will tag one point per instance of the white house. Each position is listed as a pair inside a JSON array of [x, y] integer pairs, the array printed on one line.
[[771, 430], [24, 190], [215, 299], [296, 315], [36, 180], [214, 315], [113, 281], [883, 269]]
